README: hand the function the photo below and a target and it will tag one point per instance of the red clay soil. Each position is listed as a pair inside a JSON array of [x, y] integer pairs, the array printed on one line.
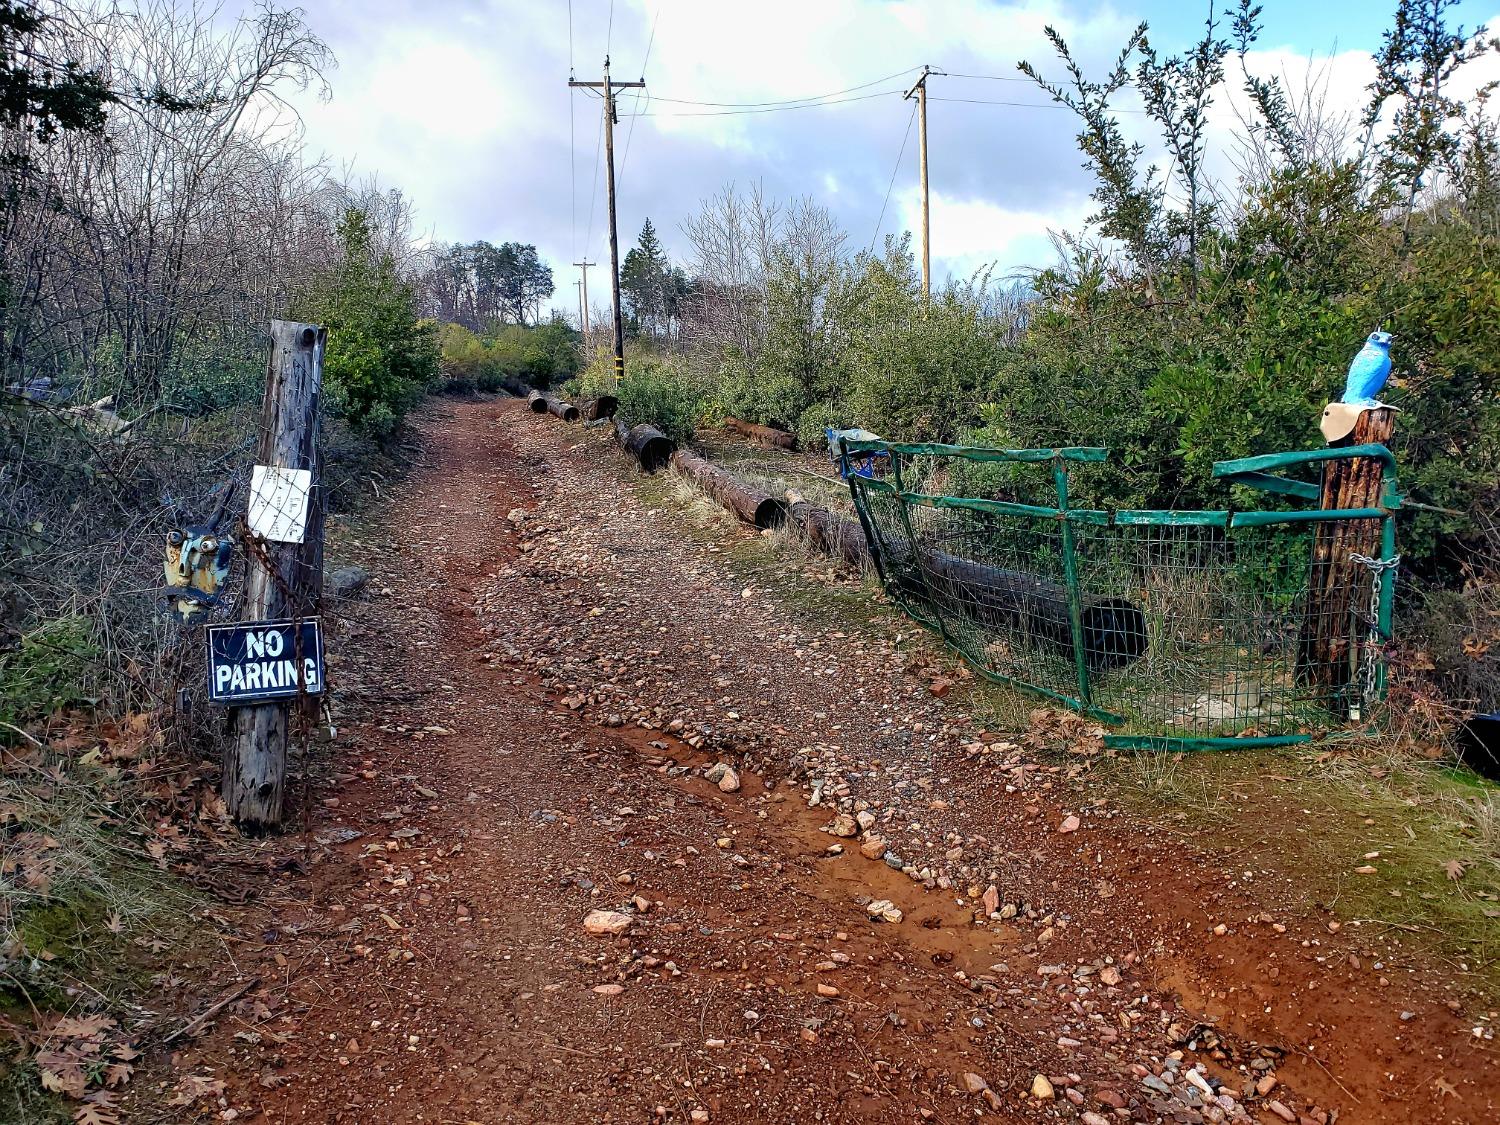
[[546, 665]]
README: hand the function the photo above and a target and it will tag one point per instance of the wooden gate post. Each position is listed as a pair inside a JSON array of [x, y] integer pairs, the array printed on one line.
[[282, 580], [1325, 646]]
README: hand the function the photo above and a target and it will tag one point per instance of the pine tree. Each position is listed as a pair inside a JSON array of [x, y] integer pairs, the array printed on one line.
[[644, 282]]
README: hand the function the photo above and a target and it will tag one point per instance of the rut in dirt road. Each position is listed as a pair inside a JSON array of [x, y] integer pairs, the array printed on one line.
[[537, 701]]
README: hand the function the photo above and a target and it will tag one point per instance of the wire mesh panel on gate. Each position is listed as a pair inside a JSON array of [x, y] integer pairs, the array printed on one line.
[[1194, 626]]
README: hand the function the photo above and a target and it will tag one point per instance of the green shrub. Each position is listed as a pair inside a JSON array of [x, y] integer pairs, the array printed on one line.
[[665, 395], [49, 669], [544, 356], [813, 421], [381, 355]]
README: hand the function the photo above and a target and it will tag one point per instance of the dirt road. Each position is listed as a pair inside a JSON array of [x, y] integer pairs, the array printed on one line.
[[552, 657]]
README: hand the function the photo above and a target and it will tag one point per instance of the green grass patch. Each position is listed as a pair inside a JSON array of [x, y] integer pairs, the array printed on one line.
[[1431, 833]]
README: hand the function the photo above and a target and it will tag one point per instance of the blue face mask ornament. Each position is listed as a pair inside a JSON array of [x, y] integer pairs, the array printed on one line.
[[196, 564]]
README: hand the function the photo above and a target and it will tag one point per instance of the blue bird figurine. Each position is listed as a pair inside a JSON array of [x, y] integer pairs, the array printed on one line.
[[1369, 371]]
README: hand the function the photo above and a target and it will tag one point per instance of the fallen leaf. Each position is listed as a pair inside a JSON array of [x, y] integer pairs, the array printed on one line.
[[81, 1027], [98, 1109], [193, 1087], [1455, 869]]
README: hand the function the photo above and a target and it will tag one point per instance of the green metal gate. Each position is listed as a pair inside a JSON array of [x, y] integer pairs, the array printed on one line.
[[1183, 628]]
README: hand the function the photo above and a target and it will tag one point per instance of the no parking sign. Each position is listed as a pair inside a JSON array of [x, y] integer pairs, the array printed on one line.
[[256, 661]]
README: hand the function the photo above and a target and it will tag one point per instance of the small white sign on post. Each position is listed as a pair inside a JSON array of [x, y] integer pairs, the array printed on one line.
[[278, 502]]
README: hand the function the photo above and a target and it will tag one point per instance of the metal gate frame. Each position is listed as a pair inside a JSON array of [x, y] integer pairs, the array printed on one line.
[[1254, 472]]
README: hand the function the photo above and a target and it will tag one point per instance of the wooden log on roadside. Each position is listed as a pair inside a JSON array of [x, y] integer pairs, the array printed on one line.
[[833, 535], [765, 435], [537, 401], [602, 406], [751, 504], [651, 448], [1336, 583], [560, 409], [1114, 629]]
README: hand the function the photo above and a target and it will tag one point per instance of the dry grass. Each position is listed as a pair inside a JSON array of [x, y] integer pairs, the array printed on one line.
[[1168, 778], [1477, 818], [63, 852]]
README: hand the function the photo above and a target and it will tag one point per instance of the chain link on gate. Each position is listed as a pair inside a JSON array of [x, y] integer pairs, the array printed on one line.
[[1374, 639]]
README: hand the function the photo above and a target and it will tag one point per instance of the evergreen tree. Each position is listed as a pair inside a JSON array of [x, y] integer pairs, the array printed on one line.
[[380, 353], [646, 282]]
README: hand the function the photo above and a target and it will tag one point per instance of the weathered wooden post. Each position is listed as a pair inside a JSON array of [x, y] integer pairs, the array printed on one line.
[[283, 580], [1326, 655]]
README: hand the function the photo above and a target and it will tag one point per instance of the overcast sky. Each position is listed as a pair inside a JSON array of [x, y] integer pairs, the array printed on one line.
[[464, 105]]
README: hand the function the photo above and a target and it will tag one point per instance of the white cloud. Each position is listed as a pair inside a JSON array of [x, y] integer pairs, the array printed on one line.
[[969, 234], [465, 106]]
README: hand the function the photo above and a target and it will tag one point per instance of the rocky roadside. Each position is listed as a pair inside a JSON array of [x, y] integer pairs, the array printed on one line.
[[700, 644], [632, 819]]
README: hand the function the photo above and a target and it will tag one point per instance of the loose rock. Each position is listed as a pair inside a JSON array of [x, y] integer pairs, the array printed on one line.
[[601, 922]]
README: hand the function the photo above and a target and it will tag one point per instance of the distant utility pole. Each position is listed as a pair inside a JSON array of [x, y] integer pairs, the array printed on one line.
[[919, 87], [584, 265], [609, 87]]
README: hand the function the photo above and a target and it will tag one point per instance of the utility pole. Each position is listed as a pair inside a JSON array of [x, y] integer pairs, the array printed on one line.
[[609, 87], [584, 266], [282, 580], [919, 87]]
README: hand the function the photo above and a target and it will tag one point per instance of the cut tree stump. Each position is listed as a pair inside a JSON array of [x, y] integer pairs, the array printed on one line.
[[766, 435], [651, 448], [751, 504], [833, 535], [560, 409], [603, 406]]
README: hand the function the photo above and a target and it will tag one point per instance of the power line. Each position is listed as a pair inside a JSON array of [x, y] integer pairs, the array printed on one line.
[[769, 109], [1026, 105], [891, 186], [650, 42], [792, 101], [594, 196], [630, 133], [993, 101], [989, 77]]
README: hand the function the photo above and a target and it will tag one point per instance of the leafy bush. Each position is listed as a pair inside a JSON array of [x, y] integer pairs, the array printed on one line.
[[544, 355], [817, 418], [381, 355], [666, 395], [49, 669]]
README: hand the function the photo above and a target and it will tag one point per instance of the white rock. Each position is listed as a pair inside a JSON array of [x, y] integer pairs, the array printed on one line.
[[607, 922]]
